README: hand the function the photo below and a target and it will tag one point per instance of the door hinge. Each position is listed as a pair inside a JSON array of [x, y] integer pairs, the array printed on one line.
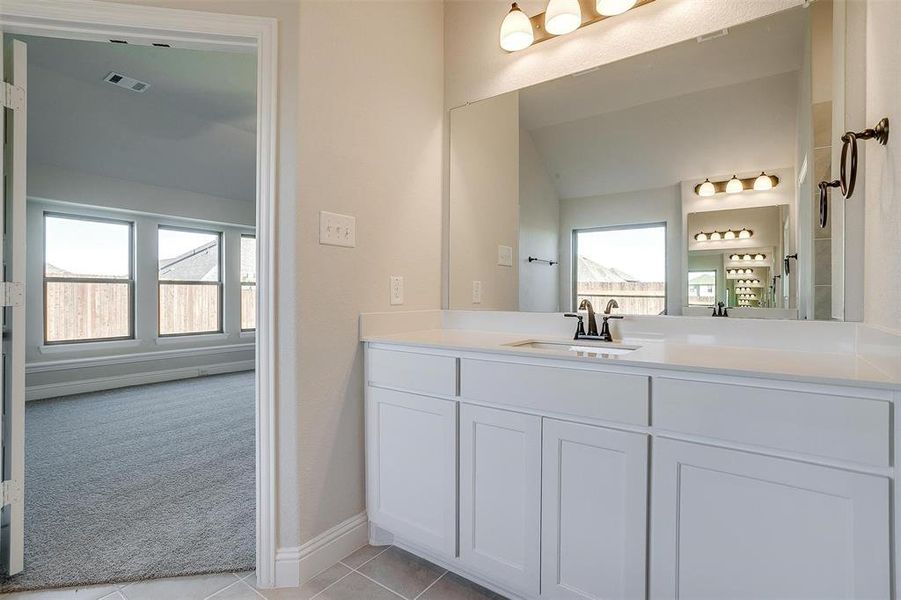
[[10, 492], [13, 97], [12, 293]]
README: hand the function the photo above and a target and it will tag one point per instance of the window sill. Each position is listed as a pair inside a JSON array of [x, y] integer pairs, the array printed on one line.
[[182, 339], [88, 346]]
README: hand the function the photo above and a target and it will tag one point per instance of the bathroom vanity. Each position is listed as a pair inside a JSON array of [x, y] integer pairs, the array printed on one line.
[[661, 470]]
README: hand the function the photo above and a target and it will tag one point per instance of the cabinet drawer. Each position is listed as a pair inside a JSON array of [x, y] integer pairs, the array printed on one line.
[[410, 371], [839, 427], [591, 394]]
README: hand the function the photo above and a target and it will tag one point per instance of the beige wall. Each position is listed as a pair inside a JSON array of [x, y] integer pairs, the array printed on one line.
[[883, 168], [539, 235], [484, 202], [360, 132]]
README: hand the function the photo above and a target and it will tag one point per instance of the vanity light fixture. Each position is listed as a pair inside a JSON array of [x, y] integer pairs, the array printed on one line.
[[562, 16], [516, 30], [519, 31], [735, 185], [760, 257], [729, 234]]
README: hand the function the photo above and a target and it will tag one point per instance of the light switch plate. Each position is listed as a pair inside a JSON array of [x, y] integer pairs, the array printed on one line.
[[337, 230], [476, 292], [504, 256], [397, 289]]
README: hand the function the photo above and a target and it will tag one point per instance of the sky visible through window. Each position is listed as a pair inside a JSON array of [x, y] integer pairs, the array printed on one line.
[[175, 242], [87, 248], [639, 252]]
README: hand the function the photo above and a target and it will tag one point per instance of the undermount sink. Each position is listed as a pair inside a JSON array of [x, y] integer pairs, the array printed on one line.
[[580, 347]]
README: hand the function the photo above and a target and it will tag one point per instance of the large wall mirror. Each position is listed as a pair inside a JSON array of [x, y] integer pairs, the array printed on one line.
[[670, 182]]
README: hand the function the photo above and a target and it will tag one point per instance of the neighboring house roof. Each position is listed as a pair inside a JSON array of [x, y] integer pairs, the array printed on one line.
[[199, 264], [590, 271]]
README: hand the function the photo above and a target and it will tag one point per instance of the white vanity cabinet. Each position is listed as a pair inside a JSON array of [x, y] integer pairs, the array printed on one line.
[[552, 479], [500, 495], [593, 513], [411, 462], [731, 524]]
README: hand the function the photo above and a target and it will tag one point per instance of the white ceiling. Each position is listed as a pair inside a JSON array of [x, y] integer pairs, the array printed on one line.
[[752, 51], [193, 129]]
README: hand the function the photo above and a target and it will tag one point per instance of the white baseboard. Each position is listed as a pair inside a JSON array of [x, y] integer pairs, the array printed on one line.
[[66, 388], [295, 566]]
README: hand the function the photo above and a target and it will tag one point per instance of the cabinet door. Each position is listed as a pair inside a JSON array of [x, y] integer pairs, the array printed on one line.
[[729, 524], [411, 444], [594, 512], [500, 495]]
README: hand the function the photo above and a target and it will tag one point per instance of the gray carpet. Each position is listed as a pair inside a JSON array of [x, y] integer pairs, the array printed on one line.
[[142, 482]]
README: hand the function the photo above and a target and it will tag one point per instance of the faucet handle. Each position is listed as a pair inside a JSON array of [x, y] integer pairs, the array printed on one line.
[[613, 317], [580, 326]]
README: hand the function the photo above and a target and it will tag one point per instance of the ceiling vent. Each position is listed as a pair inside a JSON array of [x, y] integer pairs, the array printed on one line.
[[129, 83]]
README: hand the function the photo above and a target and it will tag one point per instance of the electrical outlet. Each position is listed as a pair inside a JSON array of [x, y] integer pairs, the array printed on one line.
[[337, 230], [397, 289], [504, 256], [476, 292]]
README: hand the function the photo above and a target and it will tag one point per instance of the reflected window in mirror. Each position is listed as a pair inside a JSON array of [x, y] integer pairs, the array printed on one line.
[[625, 263], [701, 288]]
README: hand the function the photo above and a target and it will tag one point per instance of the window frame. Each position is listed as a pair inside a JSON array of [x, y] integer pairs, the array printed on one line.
[[574, 258], [130, 281], [715, 290], [253, 236], [219, 282]]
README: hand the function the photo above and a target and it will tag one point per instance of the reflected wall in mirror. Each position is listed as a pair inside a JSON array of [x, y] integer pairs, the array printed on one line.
[[590, 186]]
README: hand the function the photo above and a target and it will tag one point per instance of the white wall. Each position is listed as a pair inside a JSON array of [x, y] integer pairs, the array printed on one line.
[[539, 231], [49, 182], [660, 205], [883, 169], [484, 202]]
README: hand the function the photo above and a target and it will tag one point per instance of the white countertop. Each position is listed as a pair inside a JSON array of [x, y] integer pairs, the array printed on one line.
[[811, 367]]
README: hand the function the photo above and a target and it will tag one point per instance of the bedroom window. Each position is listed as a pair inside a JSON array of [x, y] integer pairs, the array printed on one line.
[[625, 263], [88, 279], [190, 281], [248, 283]]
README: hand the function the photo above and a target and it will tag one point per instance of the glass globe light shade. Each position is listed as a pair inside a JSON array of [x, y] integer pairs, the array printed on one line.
[[734, 186], [608, 8], [763, 182], [562, 16], [516, 30]]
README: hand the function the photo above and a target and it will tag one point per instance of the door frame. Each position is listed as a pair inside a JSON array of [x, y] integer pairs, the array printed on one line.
[[142, 25]]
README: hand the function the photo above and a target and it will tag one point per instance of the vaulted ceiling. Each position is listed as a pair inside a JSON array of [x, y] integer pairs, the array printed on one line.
[[194, 129]]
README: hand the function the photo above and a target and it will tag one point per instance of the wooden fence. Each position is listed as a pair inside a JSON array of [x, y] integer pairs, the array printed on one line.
[[634, 298]]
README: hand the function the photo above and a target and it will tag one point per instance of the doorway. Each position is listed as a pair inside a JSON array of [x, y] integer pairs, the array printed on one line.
[[164, 27]]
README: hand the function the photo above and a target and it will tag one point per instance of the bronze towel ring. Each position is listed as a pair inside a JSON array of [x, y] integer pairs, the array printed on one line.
[[849, 140]]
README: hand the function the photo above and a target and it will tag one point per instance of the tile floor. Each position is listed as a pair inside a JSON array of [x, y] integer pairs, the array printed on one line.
[[370, 573]]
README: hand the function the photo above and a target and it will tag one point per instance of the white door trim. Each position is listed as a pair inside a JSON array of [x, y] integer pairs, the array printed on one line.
[[91, 20]]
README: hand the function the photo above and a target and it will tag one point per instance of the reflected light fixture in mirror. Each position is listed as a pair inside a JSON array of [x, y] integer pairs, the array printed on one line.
[[516, 30], [609, 8], [562, 16], [763, 182]]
